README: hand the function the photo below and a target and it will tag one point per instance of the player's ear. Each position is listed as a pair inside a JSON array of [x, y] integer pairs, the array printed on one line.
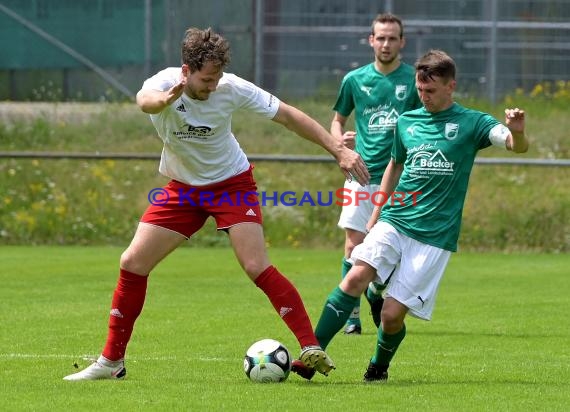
[[185, 70], [371, 40]]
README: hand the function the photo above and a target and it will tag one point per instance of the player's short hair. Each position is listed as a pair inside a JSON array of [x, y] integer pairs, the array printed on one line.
[[201, 46], [435, 63], [387, 18]]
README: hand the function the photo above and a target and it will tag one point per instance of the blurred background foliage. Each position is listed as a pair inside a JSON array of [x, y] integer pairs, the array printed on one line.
[[75, 201]]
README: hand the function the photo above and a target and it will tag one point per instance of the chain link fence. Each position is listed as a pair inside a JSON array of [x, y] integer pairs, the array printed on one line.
[[102, 49]]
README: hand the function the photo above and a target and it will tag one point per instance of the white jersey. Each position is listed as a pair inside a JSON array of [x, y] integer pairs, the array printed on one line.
[[199, 146]]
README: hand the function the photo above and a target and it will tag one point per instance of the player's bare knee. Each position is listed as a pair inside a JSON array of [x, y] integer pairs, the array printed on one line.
[[355, 282], [391, 322], [253, 268], [130, 263]]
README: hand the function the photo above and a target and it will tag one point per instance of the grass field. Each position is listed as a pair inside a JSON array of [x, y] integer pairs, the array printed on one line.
[[499, 340]]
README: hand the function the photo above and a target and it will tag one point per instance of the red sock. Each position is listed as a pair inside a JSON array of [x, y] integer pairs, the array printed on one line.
[[126, 306], [287, 302]]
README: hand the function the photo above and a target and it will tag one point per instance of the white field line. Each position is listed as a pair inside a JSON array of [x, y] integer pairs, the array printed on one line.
[[94, 357]]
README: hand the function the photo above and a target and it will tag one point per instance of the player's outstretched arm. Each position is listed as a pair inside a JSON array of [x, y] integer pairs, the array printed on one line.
[[308, 128], [514, 120], [348, 137]]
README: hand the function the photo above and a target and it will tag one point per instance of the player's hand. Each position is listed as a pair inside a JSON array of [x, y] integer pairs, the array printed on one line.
[[349, 139], [514, 120], [175, 91], [353, 166]]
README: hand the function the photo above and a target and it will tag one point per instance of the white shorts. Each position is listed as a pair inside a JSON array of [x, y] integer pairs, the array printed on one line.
[[416, 269], [357, 208]]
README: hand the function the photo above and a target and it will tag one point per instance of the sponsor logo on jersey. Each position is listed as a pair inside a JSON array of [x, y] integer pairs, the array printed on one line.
[[383, 121], [451, 131], [193, 132], [366, 89], [411, 129], [271, 101], [426, 163], [401, 91], [181, 108]]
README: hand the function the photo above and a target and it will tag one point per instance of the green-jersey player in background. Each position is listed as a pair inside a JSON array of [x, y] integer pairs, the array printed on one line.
[[408, 247], [378, 93]]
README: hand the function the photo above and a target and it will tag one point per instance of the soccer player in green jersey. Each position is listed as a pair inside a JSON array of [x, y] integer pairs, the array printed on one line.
[[378, 93], [413, 234]]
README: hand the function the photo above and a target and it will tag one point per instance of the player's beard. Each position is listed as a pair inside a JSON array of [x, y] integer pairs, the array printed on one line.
[[387, 60], [197, 94]]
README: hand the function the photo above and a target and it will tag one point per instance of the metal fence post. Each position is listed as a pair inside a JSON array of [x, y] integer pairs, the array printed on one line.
[[147, 37], [492, 84], [258, 53]]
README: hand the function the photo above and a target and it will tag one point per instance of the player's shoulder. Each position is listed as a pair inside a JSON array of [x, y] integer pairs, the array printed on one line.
[[410, 117], [413, 114], [468, 112], [404, 74], [407, 69], [233, 81], [237, 87], [230, 78], [164, 79], [169, 73], [365, 70]]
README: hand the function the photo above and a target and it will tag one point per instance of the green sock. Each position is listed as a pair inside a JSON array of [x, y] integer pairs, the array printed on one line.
[[386, 346], [354, 318], [334, 315]]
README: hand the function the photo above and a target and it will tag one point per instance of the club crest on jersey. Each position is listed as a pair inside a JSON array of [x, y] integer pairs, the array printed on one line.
[[451, 130], [401, 91]]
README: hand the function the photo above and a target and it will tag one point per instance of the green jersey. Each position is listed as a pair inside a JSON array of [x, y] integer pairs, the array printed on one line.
[[377, 101], [438, 151]]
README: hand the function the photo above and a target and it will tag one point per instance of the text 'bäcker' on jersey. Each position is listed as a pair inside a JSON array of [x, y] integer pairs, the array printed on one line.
[[437, 151]]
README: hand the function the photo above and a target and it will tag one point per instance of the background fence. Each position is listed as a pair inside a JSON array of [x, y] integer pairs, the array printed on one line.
[[104, 49]]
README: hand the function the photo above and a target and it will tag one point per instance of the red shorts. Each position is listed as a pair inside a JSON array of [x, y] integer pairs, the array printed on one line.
[[184, 208]]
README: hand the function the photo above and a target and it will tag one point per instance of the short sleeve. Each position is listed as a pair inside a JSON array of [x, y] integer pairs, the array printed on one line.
[[344, 101], [484, 125], [398, 149], [163, 80], [498, 135]]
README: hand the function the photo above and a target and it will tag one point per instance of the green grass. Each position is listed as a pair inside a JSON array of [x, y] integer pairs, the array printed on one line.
[[499, 340]]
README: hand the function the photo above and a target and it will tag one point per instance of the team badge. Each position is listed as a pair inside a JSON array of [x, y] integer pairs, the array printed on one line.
[[451, 131], [401, 91]]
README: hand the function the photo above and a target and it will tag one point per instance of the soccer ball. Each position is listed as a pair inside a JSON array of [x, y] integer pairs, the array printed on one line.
[[267, 361]]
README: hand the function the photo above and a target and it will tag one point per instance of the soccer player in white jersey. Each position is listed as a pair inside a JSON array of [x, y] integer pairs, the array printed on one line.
[[191, 108], [424, 186], [377, 93]]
